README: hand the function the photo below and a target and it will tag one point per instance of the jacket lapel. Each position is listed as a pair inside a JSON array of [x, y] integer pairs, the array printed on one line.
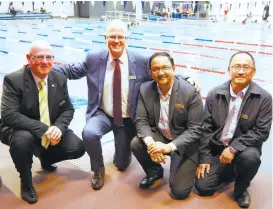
[[173, 99], [103, 65], [31, 90], [132, 74], [156, 99], [51, 88]]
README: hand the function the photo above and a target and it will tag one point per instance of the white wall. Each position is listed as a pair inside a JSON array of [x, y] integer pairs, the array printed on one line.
[[56, 9]]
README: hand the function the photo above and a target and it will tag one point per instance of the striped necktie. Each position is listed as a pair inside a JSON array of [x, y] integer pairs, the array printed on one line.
[[44, 113]]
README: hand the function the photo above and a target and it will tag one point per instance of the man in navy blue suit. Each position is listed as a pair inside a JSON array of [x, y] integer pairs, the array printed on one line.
[[113, 78]]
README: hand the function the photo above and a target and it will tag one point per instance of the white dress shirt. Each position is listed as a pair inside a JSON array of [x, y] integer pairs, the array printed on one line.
[[236, 102], [163, 123], [107, 93], [37, 80]]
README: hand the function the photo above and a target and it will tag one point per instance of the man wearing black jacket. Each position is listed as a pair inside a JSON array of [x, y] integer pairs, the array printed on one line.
[[36, 111]]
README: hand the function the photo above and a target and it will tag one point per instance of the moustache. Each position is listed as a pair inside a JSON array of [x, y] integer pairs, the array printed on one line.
[[161, 76]]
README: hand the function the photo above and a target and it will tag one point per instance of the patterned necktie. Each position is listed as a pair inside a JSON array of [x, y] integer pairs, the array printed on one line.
[[44, 113], [117, 109], [225, 136]]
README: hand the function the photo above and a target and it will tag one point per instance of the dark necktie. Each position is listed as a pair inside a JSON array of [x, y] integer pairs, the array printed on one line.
[[117, 110]]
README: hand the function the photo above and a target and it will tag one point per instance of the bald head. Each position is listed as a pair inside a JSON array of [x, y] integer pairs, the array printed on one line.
[[116, 24], [39, 45]]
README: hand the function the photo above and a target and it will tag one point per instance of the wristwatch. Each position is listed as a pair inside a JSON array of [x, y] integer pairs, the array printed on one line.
[[231, 150]]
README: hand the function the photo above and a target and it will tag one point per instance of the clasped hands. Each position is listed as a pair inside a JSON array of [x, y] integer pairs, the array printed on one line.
[[157, 151], [53, 134]]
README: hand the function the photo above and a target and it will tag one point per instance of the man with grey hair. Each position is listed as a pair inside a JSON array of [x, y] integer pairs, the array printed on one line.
[[113, 78], [36, 111]]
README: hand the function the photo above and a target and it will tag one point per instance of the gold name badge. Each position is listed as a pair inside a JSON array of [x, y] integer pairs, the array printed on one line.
[[243, 116], [179, 106]]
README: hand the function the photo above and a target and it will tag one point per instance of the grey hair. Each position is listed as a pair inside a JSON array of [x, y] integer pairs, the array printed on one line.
[[39, 44], [117, 24]]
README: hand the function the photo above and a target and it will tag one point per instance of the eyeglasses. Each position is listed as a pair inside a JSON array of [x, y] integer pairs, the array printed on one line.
[[113, 38], [164, 69], [246, 68], [42, 57]]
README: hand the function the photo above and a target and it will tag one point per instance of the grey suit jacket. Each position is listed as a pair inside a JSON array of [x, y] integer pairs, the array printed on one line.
[[185, 115], [20, 104], [254, 121]]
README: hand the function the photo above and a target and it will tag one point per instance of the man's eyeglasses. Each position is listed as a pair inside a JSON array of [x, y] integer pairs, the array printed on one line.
[[164, 69], [42, 57], [246, 68], [113, 38]]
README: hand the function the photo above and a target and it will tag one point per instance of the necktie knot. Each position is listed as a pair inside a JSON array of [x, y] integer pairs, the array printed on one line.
[[241, 94], [117, 61], [42, 83]]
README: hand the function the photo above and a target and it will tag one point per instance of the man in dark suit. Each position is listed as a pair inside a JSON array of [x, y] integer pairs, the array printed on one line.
[[168, 121], [113, 78], [238, 116], [36, 111]]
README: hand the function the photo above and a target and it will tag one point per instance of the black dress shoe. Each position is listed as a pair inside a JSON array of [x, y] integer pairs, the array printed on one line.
[[29, 194], [97, 181], [49, 167], [243, 200], [148, 181]]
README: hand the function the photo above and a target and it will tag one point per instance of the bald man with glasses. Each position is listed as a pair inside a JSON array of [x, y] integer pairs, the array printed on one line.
[[36, 111]]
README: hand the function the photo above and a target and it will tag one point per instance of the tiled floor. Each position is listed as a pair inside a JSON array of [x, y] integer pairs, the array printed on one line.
[[69, 188]]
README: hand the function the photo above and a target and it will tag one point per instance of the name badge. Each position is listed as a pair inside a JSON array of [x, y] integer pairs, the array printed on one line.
[[179, 106], [243, 116], [132, 77]]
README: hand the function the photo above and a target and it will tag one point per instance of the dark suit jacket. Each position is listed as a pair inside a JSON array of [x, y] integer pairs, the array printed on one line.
[[20, 104], [185, 115], [254, 122], [94, 68]]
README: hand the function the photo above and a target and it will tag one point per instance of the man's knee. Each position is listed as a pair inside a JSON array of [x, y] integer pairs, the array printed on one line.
[[180, 193], [21, 141], [203, 188], [90, 134], [250, 157], [79, 149], [136, 144]]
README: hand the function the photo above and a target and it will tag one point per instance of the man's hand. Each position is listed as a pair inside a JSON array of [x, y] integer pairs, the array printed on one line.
[[201, 170], [226, 156], [54, 142], [53, 132], [158, 158], [194, 83], [159, 147]]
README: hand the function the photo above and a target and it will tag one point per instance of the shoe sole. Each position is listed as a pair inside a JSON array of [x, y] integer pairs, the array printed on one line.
[[96, 188], [155, 184]]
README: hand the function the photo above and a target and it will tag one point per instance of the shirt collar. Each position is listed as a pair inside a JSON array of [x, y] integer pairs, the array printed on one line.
[[37, 79], [234, 95], [122, 58], [160, 92]]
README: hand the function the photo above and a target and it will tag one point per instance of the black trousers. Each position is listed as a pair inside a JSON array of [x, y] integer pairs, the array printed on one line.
[[244, 167], [23, 145], [182, 168], [97, 126]]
